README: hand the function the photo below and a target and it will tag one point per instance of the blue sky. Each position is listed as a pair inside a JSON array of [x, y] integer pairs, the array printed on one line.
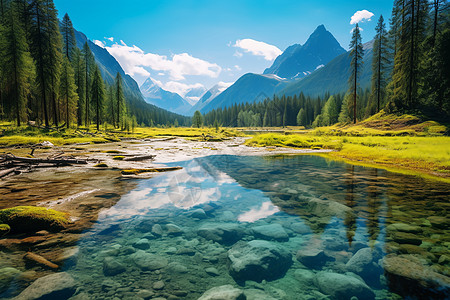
[[187, 43]]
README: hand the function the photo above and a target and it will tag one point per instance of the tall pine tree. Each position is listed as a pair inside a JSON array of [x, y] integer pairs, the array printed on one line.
[[68, 92], [89, 65], [356, 55], [98, 95], [17, 66], [120, 101], [379, 62]]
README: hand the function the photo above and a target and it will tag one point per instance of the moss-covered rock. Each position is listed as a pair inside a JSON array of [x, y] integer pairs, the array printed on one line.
[[32, 218], [4, 229], [7, 275]]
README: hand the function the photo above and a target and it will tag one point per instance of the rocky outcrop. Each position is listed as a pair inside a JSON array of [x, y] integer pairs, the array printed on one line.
[[258, 260]]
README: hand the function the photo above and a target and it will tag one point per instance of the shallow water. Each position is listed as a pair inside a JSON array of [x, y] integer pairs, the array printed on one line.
[[286, 227]]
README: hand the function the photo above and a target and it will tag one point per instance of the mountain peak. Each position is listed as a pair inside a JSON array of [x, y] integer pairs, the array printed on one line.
[[320, 28], [300, 61]]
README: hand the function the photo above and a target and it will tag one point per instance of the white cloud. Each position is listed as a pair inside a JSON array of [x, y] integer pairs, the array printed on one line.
[[269, 52], [360, 16], [237, 68], [238, 54], [134, 61], [99, 43], [110, 39]]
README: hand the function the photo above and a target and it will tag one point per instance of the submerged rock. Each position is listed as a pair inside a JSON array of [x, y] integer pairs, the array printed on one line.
[[159, 285], [339, 286], [363, 263], [254, 294], [272, 232], [312, 257], [406, 238], [173, 229], [408, 277], [212, 271], [175, 267], [403, 227], [112, 267], [55, 286], [306, 277], [226, 234], [258, 260], [142, 244], [224, 292], [149, 262]]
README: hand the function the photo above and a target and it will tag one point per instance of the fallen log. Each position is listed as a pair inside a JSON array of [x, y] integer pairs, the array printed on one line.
[[139, 158], [42, 160]]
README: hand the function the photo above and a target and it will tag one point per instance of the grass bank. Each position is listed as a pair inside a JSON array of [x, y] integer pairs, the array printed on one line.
[[11, 135], [396, 143]]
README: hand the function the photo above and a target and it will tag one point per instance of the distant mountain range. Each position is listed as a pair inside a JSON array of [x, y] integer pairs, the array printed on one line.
[[298, 61], [249, 88], [194, 94], [209, 96], [157, 96], [109, 68]]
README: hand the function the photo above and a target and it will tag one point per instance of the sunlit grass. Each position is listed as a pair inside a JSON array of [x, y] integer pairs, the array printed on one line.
[[424, 154], [26, 135]]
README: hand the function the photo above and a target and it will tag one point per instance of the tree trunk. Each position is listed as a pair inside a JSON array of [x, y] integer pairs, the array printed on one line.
[[41, 70]]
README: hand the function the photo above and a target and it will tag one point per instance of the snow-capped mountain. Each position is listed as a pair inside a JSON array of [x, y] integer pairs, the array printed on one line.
[[157, 96]]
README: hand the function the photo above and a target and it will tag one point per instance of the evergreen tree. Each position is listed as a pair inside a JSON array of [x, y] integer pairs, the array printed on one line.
[[301, 118], [110, 107], [379, 61], [68, 92], [356, 54], [17, 66], [68, 34], [80, 83], [197, 119], [120, 100], [409, 53], [346, 110], [98, 95], [330, 112], [89, 65], [54, 47]]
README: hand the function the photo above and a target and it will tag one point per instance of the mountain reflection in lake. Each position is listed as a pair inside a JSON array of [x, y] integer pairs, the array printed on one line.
[[297, 227]]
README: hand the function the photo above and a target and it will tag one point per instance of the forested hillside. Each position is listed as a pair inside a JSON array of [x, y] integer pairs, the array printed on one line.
[[410, 72], [54, 76]]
